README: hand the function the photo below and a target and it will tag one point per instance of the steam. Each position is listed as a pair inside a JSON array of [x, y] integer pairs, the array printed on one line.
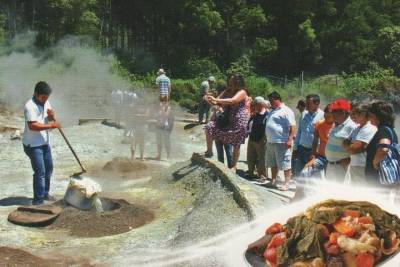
[[81, 77]]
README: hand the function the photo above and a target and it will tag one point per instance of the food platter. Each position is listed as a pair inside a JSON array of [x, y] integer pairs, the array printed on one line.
[[254, 260], [322, 234]]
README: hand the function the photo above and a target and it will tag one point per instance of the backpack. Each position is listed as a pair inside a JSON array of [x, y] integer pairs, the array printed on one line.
[[389, 167]]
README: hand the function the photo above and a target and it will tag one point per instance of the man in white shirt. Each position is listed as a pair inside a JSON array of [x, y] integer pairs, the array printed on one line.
[[337, 156], [280, 129], [39, 119]]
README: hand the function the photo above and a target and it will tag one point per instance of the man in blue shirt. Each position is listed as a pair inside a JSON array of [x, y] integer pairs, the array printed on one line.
[[303, 142]]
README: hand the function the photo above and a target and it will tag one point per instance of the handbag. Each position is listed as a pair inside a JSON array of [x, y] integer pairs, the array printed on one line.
[[389, 167], [222, 120]]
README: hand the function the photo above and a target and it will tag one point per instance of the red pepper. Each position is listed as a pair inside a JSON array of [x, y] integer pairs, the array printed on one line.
[[277, 240], [274, 229], [271, 256], [351, 213], [365, 220], [333, 238], [365, 260], [343, 228], [331, 248]]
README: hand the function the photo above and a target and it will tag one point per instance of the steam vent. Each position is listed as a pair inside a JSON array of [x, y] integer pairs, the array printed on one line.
[[145, 205]]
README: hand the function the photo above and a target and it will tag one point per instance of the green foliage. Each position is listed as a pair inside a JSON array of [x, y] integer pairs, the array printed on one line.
[[201, 68], [373, 83], [89, 24], [263, 50], [307, 33], [189, 37], [186, 93], [2, 28], [389, 47], [250, 18], [242, 65], [208, 19]]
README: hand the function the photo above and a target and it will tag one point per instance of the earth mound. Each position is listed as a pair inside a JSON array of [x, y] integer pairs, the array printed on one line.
[[17, 257], [121, 164]]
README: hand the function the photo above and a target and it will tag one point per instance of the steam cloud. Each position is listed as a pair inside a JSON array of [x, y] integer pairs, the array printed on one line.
[[81, 77]]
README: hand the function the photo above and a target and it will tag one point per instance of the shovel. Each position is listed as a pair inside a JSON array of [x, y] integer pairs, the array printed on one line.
[[75, 155]]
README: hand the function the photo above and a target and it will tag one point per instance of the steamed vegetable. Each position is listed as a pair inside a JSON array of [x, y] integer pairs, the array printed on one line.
[[334, 233]]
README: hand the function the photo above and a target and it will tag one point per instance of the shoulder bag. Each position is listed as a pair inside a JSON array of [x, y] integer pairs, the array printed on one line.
[[389, 167]]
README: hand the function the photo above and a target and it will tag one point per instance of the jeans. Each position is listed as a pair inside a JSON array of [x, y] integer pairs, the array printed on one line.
[[204, 108], [42, 165], [302, 158], [228, 151], [318, 170]]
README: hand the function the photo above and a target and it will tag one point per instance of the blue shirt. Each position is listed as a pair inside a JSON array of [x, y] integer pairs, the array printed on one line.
[[163, 83], [334, 150], [306, 130], [278, 124]]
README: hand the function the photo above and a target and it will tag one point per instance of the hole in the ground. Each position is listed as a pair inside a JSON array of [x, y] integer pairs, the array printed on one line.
[[109, 204], [119, 216]]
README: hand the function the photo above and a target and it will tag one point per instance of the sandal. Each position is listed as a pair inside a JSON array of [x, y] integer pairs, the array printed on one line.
[[208, 154], [285, 187]]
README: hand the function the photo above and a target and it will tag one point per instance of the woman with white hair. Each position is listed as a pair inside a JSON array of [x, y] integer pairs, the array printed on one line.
[[257, 139]]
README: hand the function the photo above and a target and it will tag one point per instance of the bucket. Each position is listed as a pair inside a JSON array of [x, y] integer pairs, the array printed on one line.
[[78, 199]]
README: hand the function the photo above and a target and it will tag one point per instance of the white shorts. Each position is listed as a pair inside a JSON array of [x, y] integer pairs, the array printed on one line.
[[278, 155]]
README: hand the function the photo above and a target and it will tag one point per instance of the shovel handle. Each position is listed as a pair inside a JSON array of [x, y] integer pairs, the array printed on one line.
[[72, 150]]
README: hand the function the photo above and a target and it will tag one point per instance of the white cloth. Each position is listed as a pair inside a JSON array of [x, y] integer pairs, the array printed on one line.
[[363, 134], [278, 124], [86, 185], [34, 112]]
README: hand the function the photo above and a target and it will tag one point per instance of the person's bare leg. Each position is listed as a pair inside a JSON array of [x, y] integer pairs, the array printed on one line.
[[159, 144], [141, 147], [288, 174], [274, 174], [133, 149], [236, 154], [209, 142]]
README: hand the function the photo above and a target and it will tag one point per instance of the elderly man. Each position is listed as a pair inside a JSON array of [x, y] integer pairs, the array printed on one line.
[[337, 156], [163, 84], [204, 107], [256, 143], [280, 129], [303, 142], [39, 119]]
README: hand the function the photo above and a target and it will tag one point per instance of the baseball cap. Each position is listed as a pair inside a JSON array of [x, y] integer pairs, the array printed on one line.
[[340, 104], [211, 79]]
